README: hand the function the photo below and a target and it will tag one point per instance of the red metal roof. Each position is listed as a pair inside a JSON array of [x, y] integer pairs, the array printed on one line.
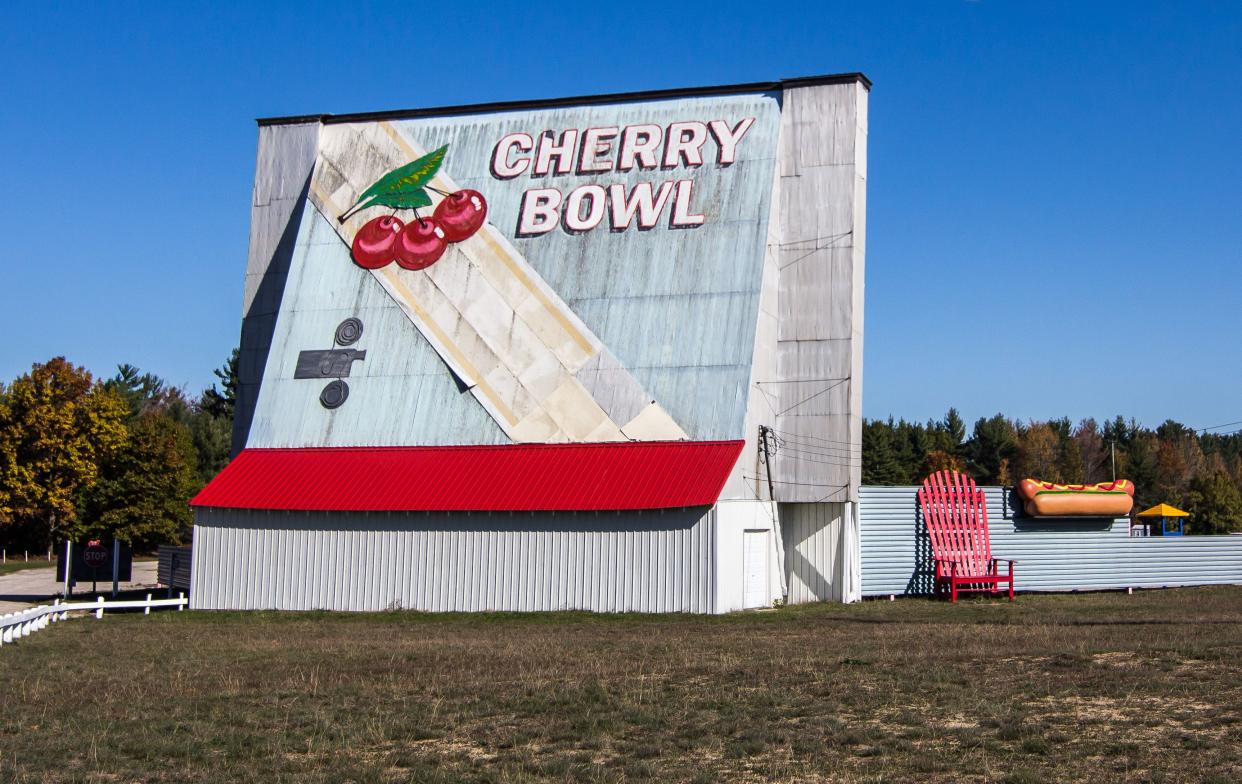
[[517, 477]]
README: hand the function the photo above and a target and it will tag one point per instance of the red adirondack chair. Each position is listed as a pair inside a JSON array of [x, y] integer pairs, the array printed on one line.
[[956, 514]]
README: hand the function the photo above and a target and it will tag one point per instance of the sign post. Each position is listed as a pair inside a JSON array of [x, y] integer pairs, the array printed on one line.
[[116, 567], [68, 560]]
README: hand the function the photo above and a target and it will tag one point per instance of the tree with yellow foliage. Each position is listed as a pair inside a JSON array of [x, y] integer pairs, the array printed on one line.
[[56, 425]]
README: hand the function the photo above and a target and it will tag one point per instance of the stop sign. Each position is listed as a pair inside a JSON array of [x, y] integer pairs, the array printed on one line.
[[94, 555]]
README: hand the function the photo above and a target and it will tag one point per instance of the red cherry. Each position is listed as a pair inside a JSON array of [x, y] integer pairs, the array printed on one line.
[[420, 244], [375, 244], [461, 214]]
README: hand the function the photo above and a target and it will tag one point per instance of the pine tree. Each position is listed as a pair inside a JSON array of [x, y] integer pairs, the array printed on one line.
[[1215, 504], [212, 426], [992, 445], [955, 428], [220, 402], [880, 464], [1069, 458], [1140, 466], [140, 391]]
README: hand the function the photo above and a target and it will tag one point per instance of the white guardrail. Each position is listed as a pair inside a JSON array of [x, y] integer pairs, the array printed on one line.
[[20, 624]]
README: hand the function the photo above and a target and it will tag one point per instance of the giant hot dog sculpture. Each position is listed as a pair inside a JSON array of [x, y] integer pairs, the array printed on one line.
[[1106, 499]]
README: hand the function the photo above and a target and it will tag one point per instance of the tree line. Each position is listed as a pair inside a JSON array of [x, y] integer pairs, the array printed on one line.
[[118, 457], [1196, 471]]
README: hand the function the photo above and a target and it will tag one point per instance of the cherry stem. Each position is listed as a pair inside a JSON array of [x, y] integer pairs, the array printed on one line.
[[345, 215], [437, 190]]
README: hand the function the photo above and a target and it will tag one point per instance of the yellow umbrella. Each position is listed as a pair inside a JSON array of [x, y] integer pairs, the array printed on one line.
[[1163, 510]]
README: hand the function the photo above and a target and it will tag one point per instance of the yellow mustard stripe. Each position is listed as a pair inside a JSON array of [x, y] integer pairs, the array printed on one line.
[[408, 297], [443, 338], [556, 309], [553, 308], [399, 140]]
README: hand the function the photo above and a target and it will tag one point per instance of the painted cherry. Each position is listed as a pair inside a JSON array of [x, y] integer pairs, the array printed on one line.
[[375, 244], [420, 244], [461, 214]]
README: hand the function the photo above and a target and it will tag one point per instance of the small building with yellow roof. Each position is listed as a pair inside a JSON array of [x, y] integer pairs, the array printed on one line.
[[1171, 520]]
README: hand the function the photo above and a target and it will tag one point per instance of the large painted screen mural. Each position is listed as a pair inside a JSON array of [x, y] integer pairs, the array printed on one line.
[[579, 273]]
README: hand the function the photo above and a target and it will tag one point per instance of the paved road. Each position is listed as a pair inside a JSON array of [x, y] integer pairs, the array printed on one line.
[[30, 586]]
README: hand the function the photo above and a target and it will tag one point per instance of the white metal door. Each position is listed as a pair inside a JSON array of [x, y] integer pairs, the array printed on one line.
[[754, 569]]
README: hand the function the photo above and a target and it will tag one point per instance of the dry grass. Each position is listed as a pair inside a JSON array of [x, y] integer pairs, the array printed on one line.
[[1103, 687]]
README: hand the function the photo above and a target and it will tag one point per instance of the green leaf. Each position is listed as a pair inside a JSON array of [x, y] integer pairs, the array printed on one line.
[[409, 177], [401, 188], [402, 199]]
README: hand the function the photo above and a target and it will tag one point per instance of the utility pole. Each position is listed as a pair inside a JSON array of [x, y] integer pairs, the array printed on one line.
[[764, 433], [1112, 445], [778, 537]]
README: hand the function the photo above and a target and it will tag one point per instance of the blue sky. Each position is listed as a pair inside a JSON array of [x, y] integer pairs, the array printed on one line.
[[1054, 219]]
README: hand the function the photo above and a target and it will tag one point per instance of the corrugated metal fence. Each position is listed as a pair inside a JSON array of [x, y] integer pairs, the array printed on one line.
[[1052, 556], [175, 566], [606, 562]]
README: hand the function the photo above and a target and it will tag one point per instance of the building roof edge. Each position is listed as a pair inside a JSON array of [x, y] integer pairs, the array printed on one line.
[[576, 100]]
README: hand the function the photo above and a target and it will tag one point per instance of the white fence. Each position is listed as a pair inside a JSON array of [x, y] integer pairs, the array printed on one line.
[[20, 624]]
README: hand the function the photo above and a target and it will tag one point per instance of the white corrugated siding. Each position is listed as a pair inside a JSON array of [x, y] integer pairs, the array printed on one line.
[[821, 225], [659, 561], [813, 555], [1052, 556]]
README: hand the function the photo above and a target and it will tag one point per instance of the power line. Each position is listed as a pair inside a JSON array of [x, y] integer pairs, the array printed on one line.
[[816, 450], [782, 482], [840, 489], [803, 380], [809, 398], [782, 440], [832, 245], [843, 459], [790, 434], [805, 456], [1226, 433], [765, 502], [1214, 427], [816, 240], [827, 458], [847, 464]]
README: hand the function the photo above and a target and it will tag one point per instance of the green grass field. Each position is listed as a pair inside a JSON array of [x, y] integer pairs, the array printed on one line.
[[1093, 687], [16, 566]]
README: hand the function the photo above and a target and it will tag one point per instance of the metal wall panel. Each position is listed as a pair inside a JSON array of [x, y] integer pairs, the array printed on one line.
[[606, 562], [282, 170], [1052, 556], [817, 395], [749, 478], [814, 561]]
